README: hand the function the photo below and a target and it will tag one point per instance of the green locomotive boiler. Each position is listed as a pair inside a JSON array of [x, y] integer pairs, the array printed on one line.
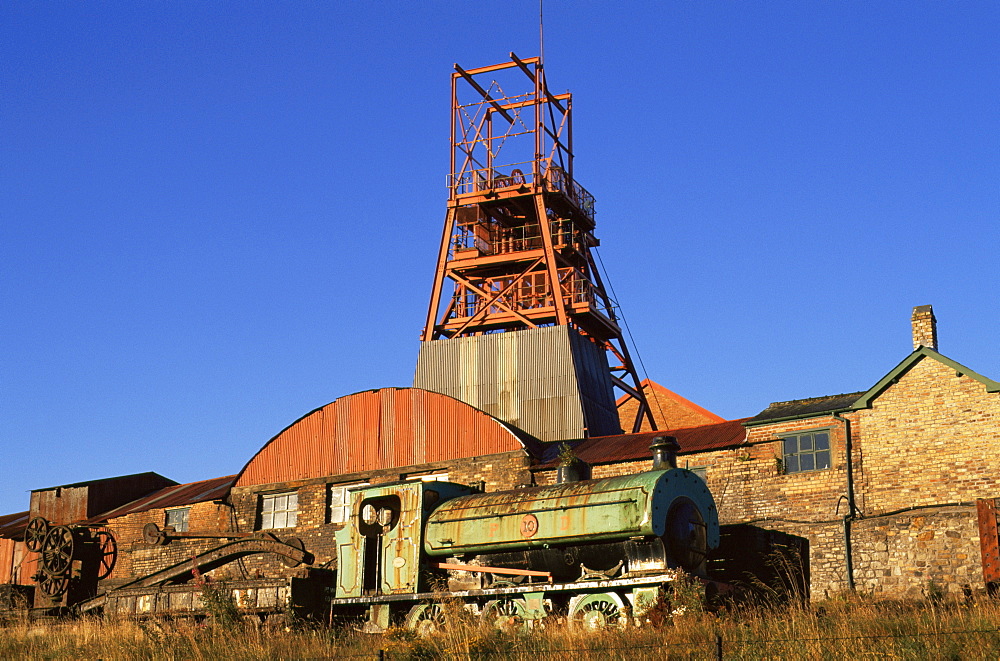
[[598, 551]]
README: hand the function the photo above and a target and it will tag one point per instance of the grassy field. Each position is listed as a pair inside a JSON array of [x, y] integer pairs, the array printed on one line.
[[847, 628]]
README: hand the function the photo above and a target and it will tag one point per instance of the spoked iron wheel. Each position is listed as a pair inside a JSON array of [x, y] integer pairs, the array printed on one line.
[[107, 553], [426, 619], [34, 534], [506, 615], [54, 586], [57, 550], [598, 611]]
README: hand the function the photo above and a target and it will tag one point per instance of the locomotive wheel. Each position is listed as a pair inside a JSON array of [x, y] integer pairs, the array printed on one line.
[[506, 615], [107, 553], [426, 619], [57, 550], [54, 586], [34, 534], [598, 611]]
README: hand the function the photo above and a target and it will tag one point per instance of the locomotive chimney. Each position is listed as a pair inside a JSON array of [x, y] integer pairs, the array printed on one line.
[[924, 327], [665, 450]]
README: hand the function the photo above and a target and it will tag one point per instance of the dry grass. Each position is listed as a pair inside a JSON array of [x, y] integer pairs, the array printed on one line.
[[838, 629]]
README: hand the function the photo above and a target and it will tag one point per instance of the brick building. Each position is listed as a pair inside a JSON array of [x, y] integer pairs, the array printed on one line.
[[882, 482]]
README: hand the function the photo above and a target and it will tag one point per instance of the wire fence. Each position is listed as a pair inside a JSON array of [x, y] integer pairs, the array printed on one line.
[[966, 644]]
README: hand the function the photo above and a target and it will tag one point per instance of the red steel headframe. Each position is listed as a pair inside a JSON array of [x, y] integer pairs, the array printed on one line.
[[519, 229]]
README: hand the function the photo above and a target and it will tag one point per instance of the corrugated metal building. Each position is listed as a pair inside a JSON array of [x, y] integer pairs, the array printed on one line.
[[551, 382]]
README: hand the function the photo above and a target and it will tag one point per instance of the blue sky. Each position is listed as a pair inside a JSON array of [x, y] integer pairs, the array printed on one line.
[[215, 217]]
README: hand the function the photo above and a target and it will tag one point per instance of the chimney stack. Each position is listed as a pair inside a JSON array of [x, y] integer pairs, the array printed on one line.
[[665, 449], [924, 327]]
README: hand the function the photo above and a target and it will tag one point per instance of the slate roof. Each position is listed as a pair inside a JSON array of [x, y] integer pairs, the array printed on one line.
[[633, 447], [803, 408], [175, 496]]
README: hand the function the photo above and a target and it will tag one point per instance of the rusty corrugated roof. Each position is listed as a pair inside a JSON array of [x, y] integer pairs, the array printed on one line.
[[632, 447], [12, 525], [181, 494], [377, 429]]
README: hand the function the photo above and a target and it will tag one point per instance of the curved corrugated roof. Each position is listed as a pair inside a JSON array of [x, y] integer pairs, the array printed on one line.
[[377, 429]]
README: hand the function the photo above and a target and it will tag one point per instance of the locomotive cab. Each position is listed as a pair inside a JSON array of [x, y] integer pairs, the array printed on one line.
[[378, 551]]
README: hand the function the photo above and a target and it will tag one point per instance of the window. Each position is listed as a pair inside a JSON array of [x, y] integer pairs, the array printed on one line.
[[279, 510], [429, 477], [178, 519], [807, 452], [340, 502]]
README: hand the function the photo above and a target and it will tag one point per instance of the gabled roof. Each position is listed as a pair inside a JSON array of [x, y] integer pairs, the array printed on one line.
[[866, 398], [815, 406], [633, 447], [668, 408], [12, 525], [804, 408], [175, 496]]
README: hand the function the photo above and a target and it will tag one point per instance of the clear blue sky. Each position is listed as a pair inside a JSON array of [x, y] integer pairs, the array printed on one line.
[[215, 217]]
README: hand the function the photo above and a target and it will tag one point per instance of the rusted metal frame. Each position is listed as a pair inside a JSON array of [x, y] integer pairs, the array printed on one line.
[[486, 95], [497, 67], [489, 144], [470, 158], [641, 397], [536, 157], [529, 102], [523, 66], [495, 300], [507, 134], [569, 134], [557, 142], [624, 386], [596, 275], [439, 274], [550, 259], [482, 569], [455, 119]]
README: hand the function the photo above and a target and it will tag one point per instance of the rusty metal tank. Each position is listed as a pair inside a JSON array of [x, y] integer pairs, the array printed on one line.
[[657, 519]]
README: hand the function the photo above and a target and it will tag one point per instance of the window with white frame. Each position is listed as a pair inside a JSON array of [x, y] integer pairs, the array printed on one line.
[[178, 519], [809, 451], [340, 502], [279, 510]]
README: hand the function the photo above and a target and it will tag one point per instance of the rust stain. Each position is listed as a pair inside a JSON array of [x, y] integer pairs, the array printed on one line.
[[378, 429]]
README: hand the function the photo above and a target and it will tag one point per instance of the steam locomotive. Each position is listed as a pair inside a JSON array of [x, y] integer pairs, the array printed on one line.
[[599, 551]]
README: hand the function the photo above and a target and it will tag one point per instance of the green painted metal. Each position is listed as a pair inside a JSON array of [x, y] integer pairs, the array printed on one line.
[[382, 555], [610, 509]]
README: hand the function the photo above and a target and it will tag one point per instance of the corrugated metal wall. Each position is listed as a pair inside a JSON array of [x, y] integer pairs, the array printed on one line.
[[378, 429], [17, 563], [551, 382]]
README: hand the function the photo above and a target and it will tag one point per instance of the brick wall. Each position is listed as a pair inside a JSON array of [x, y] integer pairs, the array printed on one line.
[[928, 446], [136, 558], [669, 410], [931, 438], [496, 472]]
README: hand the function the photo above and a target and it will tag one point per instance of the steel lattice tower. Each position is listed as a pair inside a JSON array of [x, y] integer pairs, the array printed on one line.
[[518, 235]]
